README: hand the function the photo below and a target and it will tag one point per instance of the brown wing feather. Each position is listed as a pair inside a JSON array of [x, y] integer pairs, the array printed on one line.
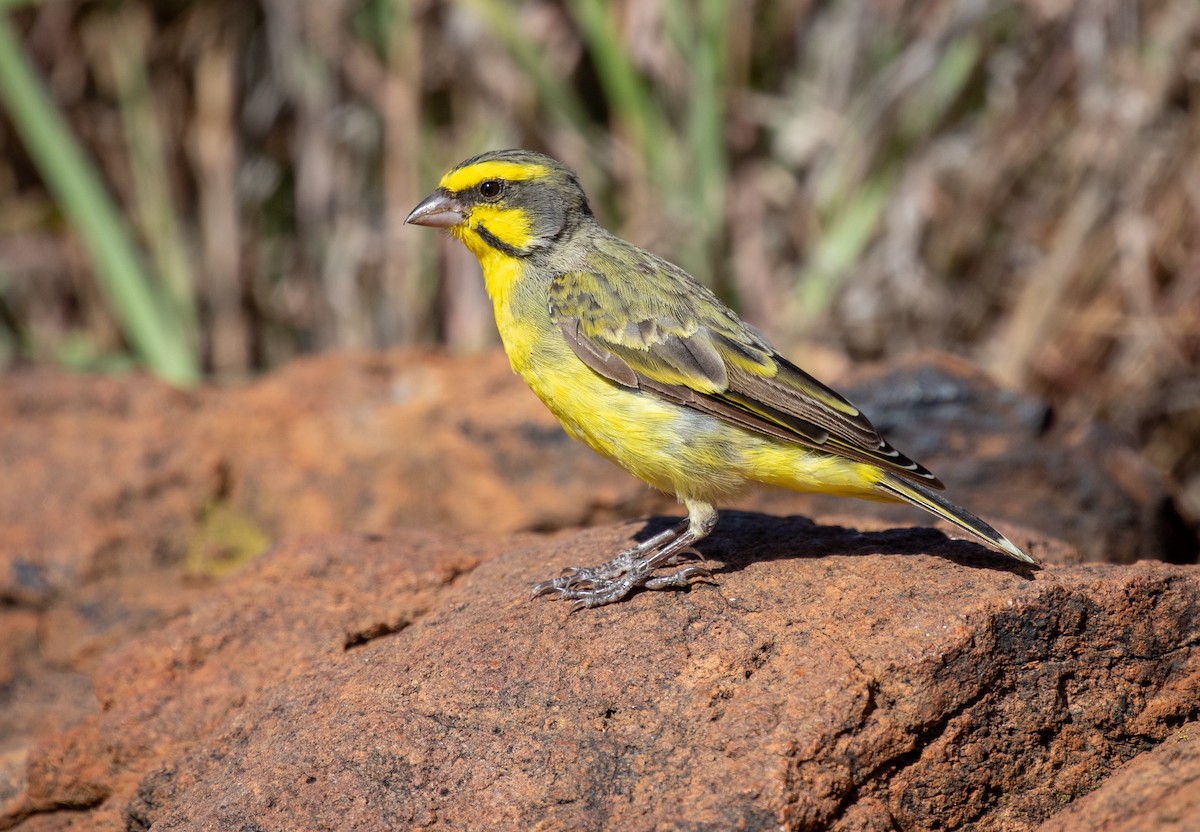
[[697, 353]]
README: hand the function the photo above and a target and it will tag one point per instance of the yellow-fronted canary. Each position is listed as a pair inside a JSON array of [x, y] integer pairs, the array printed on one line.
[[647, 367]]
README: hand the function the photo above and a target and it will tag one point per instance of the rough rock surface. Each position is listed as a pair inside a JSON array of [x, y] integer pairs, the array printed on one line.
[[126, 505], [115, 476], [832, 678], [123, 499], [1005, 452], [1158, 791]]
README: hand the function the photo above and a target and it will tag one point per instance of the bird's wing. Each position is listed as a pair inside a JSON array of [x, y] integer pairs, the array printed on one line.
[[663, 332]]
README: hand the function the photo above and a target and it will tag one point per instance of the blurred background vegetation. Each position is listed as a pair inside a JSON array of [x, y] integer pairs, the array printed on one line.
[[209, 188]]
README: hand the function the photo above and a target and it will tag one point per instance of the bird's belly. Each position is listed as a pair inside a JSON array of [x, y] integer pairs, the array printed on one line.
[[674, 448]]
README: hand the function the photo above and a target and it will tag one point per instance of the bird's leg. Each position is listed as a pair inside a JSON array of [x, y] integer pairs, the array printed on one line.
[[595, 586]]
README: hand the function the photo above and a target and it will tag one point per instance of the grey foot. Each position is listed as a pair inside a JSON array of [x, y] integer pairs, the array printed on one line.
[[595, 586]]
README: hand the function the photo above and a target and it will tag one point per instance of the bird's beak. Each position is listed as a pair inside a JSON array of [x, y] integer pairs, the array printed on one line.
[[438, 210]]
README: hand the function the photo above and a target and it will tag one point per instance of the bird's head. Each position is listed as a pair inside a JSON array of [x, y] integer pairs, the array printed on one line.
[[515, 202]]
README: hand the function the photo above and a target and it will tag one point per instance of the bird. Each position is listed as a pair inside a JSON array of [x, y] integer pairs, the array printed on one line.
[[646, 366]]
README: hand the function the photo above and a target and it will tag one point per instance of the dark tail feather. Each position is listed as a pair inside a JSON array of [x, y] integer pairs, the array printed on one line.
[[938, 505]]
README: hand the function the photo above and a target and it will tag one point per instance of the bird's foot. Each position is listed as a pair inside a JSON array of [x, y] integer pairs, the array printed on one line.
[[595, 586]]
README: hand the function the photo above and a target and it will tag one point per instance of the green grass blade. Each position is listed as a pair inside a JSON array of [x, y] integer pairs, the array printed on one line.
[[82, 197], [625, 90], [554, 91], [846, 237], [702, 34], [144, 136]]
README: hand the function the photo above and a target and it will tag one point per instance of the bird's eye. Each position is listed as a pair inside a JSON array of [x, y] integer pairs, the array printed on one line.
[[489, 189]]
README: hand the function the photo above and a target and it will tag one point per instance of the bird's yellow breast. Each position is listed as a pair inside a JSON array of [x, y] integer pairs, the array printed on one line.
[[640, 432], [501, 274]]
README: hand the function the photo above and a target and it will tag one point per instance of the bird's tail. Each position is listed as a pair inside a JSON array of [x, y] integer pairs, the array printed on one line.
[[936, 504]]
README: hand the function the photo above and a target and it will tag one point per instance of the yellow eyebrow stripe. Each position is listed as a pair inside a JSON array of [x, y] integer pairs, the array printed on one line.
[[470, 176]]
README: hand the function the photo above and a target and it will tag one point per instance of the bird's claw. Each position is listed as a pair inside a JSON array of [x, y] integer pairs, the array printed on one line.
[[681, 578], [595, 586]]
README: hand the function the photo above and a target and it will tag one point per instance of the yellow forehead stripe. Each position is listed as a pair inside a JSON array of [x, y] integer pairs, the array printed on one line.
[[470, 176]]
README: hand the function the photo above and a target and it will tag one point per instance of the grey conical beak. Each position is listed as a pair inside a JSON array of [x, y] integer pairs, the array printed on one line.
[[438, 210]]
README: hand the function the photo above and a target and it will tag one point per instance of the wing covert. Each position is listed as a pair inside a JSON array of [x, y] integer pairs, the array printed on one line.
[[675, 339]]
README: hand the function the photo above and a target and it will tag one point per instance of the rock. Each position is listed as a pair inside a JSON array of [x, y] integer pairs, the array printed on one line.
[[103, 476], [112, 477], [835, 677], [123, 498], [120, 476], [1156, 791], [126, 502], [1006, 452]]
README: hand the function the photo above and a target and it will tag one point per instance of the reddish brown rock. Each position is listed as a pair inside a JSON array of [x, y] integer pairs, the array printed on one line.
[[124, 502], [102, 476], [833, 678], [122, 498], [113, 476], [1157, 791], [1007, 454], [122, 476]]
